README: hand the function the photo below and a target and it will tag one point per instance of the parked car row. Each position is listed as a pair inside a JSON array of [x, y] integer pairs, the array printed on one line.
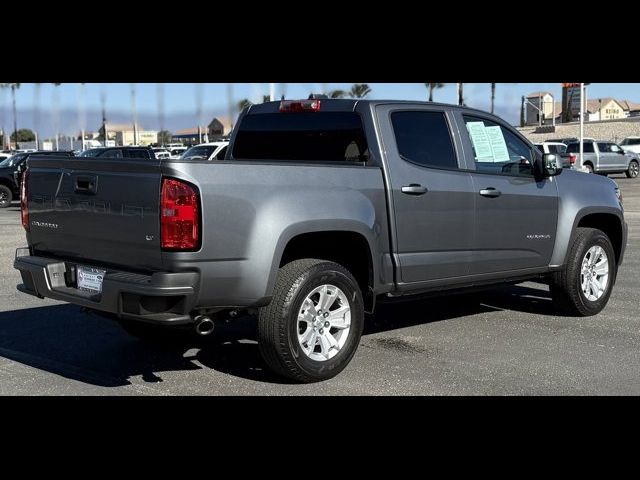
[[12, 166], [600, 156], [11, 169]]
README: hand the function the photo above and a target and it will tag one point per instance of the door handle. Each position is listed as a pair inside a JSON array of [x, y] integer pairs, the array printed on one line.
[[490, 192], [86, 184], [414, 189]]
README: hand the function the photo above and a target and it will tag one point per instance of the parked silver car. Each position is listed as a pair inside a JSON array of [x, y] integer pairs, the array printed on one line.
[[602, 157]]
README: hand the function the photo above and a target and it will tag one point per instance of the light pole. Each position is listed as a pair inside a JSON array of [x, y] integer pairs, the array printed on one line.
[[15, 117], [582, 103], [540, 112]]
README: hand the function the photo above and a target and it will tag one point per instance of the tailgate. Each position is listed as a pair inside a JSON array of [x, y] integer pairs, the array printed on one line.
[[96, 210]]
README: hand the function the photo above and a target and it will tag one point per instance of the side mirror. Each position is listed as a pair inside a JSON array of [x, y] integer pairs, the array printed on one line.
[[550, 165]]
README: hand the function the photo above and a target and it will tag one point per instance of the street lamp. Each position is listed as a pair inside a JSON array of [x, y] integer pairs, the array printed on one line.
[[540, 112]]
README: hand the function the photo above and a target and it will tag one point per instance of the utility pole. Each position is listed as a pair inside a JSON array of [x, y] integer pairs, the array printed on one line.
[[135, 115], [272, 92], [104, 127], [230, 105]]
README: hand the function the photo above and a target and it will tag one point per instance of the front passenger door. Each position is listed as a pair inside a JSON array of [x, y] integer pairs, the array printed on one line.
[[516, 214], [620, 162]]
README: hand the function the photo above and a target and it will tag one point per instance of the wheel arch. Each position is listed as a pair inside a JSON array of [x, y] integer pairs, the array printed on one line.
[[349, 246]]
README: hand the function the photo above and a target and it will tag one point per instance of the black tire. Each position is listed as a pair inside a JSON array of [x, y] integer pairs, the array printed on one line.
[[6, 196], [589, 167], [278, 324], [565, 286], [150, 333], [632, 171]]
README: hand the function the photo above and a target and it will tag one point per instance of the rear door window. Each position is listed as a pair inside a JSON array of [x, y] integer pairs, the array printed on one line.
[[116, 153], [423, 137]]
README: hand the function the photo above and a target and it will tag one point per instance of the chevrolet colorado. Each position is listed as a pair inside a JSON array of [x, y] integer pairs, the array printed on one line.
[[319, 209]]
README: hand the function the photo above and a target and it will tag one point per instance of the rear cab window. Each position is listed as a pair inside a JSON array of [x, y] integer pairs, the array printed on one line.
[[301, 137]]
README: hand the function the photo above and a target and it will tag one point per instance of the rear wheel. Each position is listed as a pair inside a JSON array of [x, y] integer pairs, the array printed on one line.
[[584, 286], [589, 167], [6, 196], [312, 327], [633, 170]]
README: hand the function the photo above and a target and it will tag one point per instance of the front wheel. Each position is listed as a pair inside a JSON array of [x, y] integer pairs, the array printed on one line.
[[6, 196], [584, 285], [312, 327], [633, 170]]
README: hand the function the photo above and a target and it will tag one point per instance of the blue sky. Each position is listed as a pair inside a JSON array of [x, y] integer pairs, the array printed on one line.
[[180, 98]]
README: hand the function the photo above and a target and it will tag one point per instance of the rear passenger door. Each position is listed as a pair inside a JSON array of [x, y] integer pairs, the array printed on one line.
[[608, 160], [431, 195], [516, 214]]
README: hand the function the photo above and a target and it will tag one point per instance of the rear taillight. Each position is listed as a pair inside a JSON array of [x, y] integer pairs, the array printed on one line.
[[300, 106], [179, 215], [573, 158], [24, 202]]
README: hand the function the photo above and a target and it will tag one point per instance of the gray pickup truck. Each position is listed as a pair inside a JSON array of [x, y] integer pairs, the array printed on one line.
[[602, 157], [320, 208]]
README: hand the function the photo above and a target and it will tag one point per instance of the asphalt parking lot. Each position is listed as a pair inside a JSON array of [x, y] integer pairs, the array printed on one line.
[[508, 341]]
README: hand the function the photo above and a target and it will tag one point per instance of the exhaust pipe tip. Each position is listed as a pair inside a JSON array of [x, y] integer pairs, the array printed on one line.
[[203, 325]]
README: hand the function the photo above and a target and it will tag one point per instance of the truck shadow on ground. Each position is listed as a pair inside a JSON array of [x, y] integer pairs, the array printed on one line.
[[65, 341]]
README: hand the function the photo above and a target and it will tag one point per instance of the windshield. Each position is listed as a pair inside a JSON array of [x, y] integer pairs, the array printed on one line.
[[11, 161], [202, 152], [91, 153]]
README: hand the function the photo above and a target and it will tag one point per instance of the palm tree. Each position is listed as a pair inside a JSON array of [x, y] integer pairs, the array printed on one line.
[[461, 94], [493, 96], [337, 94], [432, 87], [245, 102], [55, 113], [13, 87], [360, 90]]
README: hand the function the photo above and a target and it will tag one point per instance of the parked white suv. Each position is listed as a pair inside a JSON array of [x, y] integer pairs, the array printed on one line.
[[631, 144], [206, 151], [552, 147]]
